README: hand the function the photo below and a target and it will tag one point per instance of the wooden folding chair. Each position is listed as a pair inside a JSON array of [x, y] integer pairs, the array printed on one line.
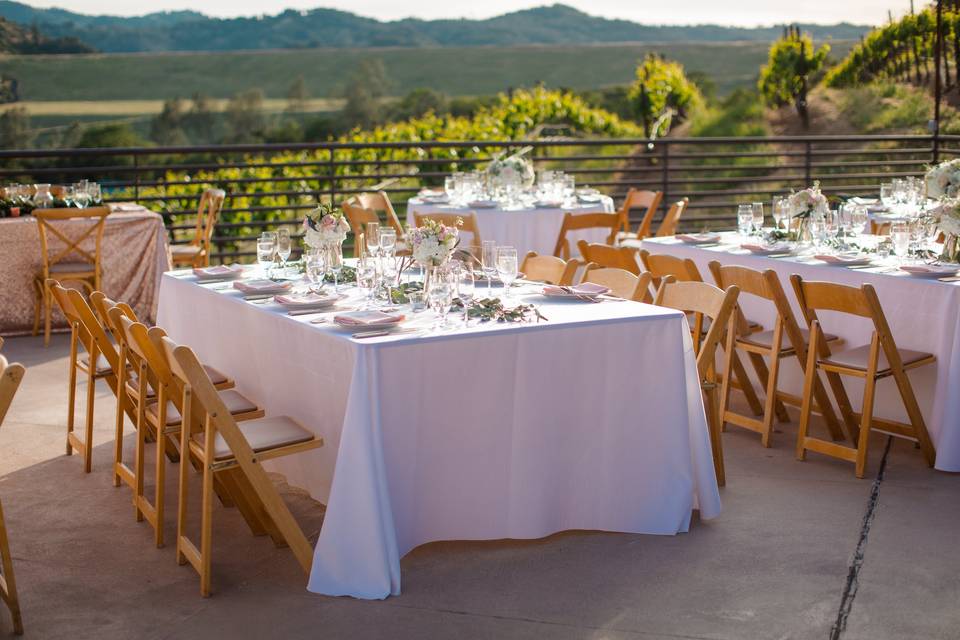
[[606, 255], [73, 262], [549, 269], [685, 270], [649, 201], [196, 253], [580, 221], [706, 301], [225, 445], [96, 363], [880, 359], [786, 339], [380, 203], [10, 377], [621, 282], [469, 225], [668, 226]]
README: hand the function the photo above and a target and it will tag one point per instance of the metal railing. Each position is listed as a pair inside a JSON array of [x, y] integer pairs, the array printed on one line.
[[269, 185]]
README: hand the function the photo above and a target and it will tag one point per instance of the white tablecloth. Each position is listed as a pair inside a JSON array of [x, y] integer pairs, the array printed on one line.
[[524, 229], [593, 420], [924, 315]]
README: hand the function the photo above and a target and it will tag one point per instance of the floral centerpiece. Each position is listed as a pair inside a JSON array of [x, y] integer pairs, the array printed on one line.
[[514, 169], [433, 243], [324, 226], [949, 222], [943, 180], [803, 204]]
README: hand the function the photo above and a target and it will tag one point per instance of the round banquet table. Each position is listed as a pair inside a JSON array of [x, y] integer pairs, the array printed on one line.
[[529, 229]]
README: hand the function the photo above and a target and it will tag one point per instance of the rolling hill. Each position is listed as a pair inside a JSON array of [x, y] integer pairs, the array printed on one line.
[[329, 28]]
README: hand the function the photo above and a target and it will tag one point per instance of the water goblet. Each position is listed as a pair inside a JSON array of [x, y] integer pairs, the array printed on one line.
[[81, 197], [887, 198], [335, 264], [488, 262], [466, 289], [284, 248], [388, 242], [744, 219], [372, 237], [367, 280], [93, 190], [900, 235], [757, 217], [440, 296], [266, 246], [507, 268], [315, 269], [68, 194], [779, 210]]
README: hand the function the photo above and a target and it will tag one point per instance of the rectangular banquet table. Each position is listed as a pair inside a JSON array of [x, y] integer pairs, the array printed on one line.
[[134, 256], [591, 420], [531, 229], [924, 315]]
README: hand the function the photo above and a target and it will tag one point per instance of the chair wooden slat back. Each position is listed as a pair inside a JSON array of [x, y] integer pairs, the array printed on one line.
[[549, 269], [358, 216], [92, 325], [609, 256], [662, 264], [72, 243], [622, 283], [379, 202], [640, 199], [10, 377], [862, 362], [208, 212], [469, 225], [668, 226], [580, 221]]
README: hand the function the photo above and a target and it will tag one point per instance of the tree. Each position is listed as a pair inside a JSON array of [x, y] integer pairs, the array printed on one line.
[[246, 121], [661, 93], [787, 76], [367, 86], [15, 132], [167, 128], [298, 96], [112, 135], [200, 122], [419, 102]]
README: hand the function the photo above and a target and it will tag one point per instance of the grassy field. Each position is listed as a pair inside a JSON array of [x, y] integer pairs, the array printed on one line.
[[457, 71], [105, 108]]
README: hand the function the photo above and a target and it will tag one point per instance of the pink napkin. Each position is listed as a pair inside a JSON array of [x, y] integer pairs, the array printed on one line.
[[767, 249], [583, 289], [367, 318], [930, 269], [305, 299], [829, 259], [219, 271], [699, 237], [261, 286]]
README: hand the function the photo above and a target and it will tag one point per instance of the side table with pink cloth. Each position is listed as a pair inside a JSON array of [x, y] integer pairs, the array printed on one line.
[[134, 256], [591, 420], [924, 315]]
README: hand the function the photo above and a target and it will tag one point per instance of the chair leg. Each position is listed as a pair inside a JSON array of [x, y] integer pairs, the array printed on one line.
[[206, 529], [809, 378], [37, 305], [916, 417], [771, 401], [88, 431], [159, 489], [182, 492], [72, 391], [716, 444], [118, 430], [866, 416], [47, 315], [9, 581]]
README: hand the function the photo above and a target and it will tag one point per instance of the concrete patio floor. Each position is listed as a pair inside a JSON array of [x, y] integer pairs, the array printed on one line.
[[775, 564]]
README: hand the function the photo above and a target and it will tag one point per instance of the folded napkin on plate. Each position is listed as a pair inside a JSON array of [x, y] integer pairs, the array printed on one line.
[[262, 286], [861, 201], [699, 237], [310, 299], [930, 269], [219, 271], [851, 259], [582, 289], [366, 318], [766, 248]]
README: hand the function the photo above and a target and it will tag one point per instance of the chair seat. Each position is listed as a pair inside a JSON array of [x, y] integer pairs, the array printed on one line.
[[133, 384], [857, 357], [765, 338], [73, 267], [216, 377], [262, 434], [103, 367], [184, 249], [752, 325], [235, 402]]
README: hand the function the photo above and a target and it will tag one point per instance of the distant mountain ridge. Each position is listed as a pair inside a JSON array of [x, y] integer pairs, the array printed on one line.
[[556, 24], [18, 39]]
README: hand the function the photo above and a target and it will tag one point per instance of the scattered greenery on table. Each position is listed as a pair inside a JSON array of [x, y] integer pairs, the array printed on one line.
[[488, 309], [399, 294], [347, 275]]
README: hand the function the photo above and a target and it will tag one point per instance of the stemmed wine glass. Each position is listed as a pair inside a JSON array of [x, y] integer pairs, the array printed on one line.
[[779, 210], [488, 262], [81, 197], [315, 268], [744, 219], [466, 288], [372, 238], [284, 248], [900, 235], [757, 217], [69, 192], [266, 246], [335, 264], [367, 279], [388, 242], [440, 296], [507, 268]]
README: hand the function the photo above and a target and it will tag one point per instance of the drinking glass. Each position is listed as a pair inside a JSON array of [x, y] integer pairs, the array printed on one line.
[[488, 262], [757, 217], [93, 190], [450, 187], [900, 235], [887, 198], [284, 249], [744, 219], [372, 237], [779, 210], [367, 280], [388, 271], [858, 219], [441, 295], [80, 195], [388, 242], [335, 263], [818, 229], [266, 247], [507, 268], [314, 267], [466, 288], [69, 191], [42, 198]]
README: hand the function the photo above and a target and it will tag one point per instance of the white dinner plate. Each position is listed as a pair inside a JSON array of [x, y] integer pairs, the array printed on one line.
[[483, 204], [930, 270], [370, 326]]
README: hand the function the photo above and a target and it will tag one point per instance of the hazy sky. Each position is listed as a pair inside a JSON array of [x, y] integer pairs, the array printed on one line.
[[734, 12]]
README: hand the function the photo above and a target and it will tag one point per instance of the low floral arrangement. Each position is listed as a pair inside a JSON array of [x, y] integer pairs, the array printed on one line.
[[492, 309], [512, 169], [948, 214], [324, 225], [804, 203], [943, 180], [433, 243]]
